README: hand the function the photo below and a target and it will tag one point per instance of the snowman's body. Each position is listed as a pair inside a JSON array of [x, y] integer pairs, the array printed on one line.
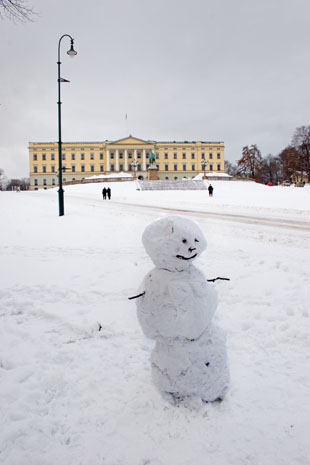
[[177, 310]]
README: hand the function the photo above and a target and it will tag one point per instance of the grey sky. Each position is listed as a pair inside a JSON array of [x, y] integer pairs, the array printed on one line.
[[231, 70]]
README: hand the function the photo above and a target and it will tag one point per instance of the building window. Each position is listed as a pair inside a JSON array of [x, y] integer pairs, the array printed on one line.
[[92, 156], [166, 167], [193, 167], [72, 156], [92, 168], [139, 167], [101, 168], [129, 155], [112, 167], [35, 182], [53, 182], [43, 169], [121, 154], [184, 156], [53, 168], [203, 156], [139, 154], [130, 167], [157, 166], [121, 167], [218, 156], [175, 178], [157, 156], [44, 182], [166, 156], [63, 156], [211, 167], [101, 156], [82, 168], [193, 156], [52, 156], [175, 167], [175, 156], [35, 169], [43, 156], [35, 157], [210, 156], [112, 155], [218, 167], [184, 167], [82, 156], [147, 166], [166, 178], [73, 168]]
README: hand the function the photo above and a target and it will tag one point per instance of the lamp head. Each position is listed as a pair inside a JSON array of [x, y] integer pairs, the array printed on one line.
[[71, 52]]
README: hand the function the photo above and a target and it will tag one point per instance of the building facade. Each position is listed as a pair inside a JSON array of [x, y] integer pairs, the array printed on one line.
[[81, 160]]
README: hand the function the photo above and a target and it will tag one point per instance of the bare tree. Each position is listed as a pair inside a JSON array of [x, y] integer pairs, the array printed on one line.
[[250, 162], [301, 143], [3, 180], [230, 168], [290, 162], [16, 10], [270, 170]]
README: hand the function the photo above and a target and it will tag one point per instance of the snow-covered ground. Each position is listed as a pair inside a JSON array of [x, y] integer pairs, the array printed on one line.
[[71, 394]]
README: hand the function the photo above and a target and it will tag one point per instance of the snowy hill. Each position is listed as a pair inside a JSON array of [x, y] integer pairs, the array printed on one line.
[[74, 365]]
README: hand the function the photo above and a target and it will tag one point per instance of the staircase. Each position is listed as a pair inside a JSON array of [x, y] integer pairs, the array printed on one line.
[[164, 185]]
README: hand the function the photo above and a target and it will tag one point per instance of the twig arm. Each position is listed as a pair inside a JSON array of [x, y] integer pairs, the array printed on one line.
[[215, 279], [136, 296]]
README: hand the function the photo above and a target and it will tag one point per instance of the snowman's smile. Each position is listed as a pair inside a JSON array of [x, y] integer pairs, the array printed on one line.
[[186, 258]]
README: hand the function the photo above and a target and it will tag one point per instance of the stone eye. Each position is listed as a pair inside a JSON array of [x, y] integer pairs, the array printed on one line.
[[184, 241], [196, 240]]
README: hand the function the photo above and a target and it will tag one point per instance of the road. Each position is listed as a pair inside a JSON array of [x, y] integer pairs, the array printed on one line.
[[248, 219]]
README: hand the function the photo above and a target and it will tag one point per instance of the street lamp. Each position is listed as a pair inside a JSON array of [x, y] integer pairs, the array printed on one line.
[[71, 53], [203, 166]]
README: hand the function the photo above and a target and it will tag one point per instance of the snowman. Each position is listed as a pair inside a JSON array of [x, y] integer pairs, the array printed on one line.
[[176, 308]]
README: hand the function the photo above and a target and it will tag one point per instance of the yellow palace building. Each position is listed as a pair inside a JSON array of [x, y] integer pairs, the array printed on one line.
[[80, 160]]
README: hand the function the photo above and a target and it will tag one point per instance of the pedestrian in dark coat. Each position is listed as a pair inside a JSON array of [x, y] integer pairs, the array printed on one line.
[[210, 189], [109, 193], [104, 193]]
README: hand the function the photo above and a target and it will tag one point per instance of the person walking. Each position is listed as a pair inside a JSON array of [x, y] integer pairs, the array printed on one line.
[[109, 193], [104, 193], [210, 189]]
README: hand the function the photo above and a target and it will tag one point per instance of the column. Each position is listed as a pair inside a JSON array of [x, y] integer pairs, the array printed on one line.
[[126, 160], [117, 160], [108, 161], [143, 161]]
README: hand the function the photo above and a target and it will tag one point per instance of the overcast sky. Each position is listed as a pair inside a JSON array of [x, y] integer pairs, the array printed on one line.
[[237, 71]]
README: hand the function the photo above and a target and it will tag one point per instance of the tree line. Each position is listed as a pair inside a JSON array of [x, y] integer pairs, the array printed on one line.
[[7, 184], [292, 164]]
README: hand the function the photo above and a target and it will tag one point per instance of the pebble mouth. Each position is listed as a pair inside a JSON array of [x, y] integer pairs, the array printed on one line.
[[186, 258]]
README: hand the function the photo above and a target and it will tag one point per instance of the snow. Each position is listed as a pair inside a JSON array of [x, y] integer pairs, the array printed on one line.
[[72, 394]]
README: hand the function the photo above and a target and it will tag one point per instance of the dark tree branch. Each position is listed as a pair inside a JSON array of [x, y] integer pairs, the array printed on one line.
[[16, 10]]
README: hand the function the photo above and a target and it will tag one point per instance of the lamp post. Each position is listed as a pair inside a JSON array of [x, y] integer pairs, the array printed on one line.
[[203, 166], [71, 53]]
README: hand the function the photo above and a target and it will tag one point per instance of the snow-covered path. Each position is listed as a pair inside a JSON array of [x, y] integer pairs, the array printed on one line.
[[72, 394]]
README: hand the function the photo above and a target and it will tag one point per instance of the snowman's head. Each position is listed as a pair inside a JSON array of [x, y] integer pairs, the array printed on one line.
[[173, 242]]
